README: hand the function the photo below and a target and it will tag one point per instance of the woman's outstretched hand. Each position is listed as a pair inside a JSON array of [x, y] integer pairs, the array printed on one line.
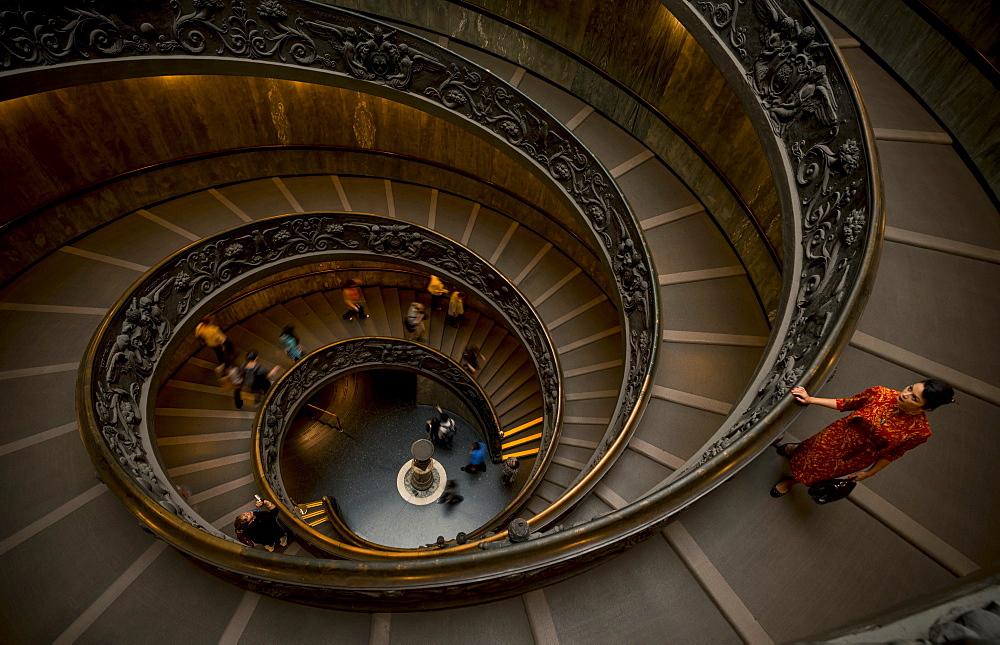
[[801, 395]]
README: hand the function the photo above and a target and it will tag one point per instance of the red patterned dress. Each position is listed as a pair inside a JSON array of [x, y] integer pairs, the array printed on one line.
[[875, 429]]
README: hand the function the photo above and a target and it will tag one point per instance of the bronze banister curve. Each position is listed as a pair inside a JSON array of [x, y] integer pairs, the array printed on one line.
[[321, 367], [800, 96], [334, 46], [340, 528], [796, 89], [130, 349]]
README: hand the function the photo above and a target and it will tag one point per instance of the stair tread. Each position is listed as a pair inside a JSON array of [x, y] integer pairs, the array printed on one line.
[[308, 319], [327, 316], [282, 316], [502, 346], [393, 315], [245, 340]]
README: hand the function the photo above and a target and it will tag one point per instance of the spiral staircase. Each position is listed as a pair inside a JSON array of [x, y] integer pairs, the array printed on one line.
[[733, 565]]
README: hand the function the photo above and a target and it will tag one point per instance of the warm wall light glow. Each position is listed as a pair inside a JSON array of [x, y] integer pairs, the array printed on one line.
[[664, 20], [192, 78], [175, 80]]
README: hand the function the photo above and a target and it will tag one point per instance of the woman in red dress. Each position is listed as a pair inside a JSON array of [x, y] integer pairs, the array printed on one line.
[[883, 425]]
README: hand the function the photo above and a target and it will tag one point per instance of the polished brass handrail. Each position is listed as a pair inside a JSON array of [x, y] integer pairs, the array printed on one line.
[[819, 143], [442, 82], [280, 406], [143, 325]]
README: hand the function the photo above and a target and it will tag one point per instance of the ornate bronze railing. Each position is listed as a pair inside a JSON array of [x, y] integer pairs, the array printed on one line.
[[339, 47], [800, 96], [796, 90], [280, 406], [131, 349]]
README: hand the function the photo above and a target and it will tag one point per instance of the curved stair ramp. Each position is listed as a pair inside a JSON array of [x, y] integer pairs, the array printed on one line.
[[587, 332], [705, 536], [620, 243], [204, 463]]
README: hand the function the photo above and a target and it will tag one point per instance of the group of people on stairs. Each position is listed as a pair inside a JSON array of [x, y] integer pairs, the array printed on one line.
[[252, 377], [416, 315], [261, 526]]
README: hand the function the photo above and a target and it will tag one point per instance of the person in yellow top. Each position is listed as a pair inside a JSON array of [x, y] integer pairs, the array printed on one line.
[[437, 290], [456, 308], [212, 336]]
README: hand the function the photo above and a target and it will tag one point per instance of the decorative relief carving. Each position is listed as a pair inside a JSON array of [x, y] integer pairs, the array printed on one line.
[[374, 55], [241, 35], [787, 74], [127, 357], [633, 276], [328, 364], [806, 104], [141, 336], [30, 37], [724, 15], [203, 270], [306, 34]]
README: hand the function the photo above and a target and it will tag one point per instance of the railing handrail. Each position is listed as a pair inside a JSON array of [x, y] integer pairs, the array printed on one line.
[[830, 161], [454, 86], [340, 426], [180, 286], [823, 289], [317, 369]]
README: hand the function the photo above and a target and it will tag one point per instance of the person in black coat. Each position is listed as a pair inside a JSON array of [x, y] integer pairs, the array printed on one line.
[[261, 527]]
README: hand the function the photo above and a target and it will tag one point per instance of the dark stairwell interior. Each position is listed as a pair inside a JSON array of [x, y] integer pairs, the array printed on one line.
[[737, 565]]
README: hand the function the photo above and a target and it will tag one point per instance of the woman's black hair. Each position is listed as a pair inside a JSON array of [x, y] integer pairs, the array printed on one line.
[[242, 523], [290, 331], [937, 393]]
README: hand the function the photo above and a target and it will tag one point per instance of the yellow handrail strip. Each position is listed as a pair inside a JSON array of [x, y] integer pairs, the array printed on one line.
[[523, 453], [311, 505], [518, 442], [319, 521], [522, 427], [314, 514]]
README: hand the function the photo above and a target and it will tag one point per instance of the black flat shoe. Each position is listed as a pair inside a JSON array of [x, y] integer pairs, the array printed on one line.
[[774, 489], [783, 449]]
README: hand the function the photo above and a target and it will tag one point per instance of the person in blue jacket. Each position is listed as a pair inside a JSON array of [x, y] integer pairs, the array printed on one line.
[[290, 343], [477, 458]]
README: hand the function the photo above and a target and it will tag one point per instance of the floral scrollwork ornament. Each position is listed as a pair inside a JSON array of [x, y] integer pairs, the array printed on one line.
[[31, 37]]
